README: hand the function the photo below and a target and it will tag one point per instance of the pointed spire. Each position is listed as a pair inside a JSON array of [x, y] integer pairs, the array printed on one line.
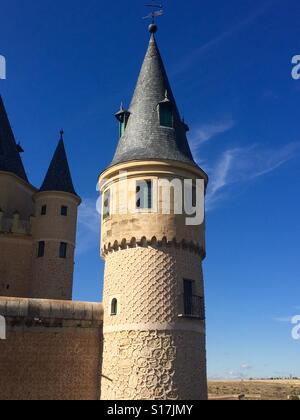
[[10, 160], [144, 137], [58, 177]]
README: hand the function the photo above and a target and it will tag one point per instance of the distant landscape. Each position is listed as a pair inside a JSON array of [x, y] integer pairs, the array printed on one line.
[[268, 389]]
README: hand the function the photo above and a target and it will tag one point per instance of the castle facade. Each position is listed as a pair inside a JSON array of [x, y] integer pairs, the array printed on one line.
[[147, 339]]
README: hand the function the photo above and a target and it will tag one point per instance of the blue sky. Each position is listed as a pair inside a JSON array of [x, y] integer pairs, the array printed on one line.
[[71, 63]]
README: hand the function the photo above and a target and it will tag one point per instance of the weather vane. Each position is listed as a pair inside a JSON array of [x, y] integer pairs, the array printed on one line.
[[157, 10]]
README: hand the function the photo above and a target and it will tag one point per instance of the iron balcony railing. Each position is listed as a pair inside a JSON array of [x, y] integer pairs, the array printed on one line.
[[193, 307]]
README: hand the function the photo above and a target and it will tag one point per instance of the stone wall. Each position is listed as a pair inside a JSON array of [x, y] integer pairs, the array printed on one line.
[[53, 350], [154, 345], [52, 276], [16, 196], [126, 222], [16, 211], [154, 365], [151, 350], [15, 264]]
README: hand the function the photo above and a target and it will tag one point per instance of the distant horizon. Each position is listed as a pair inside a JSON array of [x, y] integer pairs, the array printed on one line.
[[253, 379], [230, 67]]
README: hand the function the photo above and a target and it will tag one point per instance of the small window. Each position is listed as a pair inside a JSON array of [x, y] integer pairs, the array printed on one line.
[[63, 250], [114, 307], [64, 211], [144, 195], [44, 210], [106, 205], [123, 126], [123, 117], [166, 114], [41, 249], [188, 297]]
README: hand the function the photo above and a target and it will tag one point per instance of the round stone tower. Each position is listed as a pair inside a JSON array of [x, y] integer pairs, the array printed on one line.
[[54, 231], [154, 316]]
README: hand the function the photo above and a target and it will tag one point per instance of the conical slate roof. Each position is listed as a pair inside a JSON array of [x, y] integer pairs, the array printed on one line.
[[10, 160], [144, 138], [58, 177]]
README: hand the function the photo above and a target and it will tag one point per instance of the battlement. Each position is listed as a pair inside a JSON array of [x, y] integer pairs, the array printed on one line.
[[15, 225]]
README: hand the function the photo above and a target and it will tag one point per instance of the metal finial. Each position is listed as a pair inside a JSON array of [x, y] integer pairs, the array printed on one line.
[[61, 134], [157, 10]]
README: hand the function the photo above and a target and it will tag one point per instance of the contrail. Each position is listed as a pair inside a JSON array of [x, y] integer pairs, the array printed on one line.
[[189, 59]]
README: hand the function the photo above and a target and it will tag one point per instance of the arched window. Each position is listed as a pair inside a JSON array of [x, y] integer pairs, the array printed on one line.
[[114, 307]]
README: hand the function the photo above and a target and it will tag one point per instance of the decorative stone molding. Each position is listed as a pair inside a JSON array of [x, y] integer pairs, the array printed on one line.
[[153, 243], [143, 365]]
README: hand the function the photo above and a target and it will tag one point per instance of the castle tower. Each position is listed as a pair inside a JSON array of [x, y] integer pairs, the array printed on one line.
[[16, 209], [54, 231], [154, 321]]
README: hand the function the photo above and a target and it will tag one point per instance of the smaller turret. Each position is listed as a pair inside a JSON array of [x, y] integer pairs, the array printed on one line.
[[54, 231]]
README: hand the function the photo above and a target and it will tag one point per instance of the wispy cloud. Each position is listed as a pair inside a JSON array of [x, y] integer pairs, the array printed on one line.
[[283, 319], [190, 59], [240, 165], [246, 366], [206, 132], [233, 374], [238, 374], [88, 235]]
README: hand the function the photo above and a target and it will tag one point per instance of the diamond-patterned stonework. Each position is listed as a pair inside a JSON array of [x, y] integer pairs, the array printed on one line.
[[149, 284], [149, 352]]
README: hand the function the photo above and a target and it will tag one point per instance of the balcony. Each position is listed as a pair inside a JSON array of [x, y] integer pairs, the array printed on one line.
[[193, 307]]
